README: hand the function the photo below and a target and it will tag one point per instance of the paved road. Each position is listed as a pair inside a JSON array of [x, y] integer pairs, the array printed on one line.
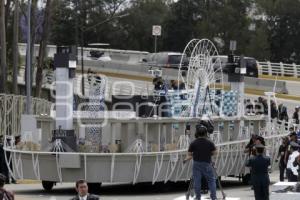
[[293, 87], [233, 188]]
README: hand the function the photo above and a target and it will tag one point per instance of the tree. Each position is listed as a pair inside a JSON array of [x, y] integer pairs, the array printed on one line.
[[34, 24], [63, 23], [181, 23], [282, 17], [15, 47], [135, 31], [216, 20], [228, 20], [42, 49], [259, 39], [7, 11], [3, 48]]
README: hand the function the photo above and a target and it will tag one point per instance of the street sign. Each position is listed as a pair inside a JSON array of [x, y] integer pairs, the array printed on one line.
[[156, 30], [232, 46]]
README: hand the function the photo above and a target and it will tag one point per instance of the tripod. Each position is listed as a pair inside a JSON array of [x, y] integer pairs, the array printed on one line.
[[191, 193]]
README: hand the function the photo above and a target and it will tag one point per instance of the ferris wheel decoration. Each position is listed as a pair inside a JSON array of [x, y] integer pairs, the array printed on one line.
[[201, 72]]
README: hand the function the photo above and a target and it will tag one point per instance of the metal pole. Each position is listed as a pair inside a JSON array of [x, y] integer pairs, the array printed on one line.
[[28, 62], [82, 65], [155, 44], [269, 95]]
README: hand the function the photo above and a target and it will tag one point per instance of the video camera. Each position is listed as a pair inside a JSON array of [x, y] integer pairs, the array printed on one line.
[[206, 124]]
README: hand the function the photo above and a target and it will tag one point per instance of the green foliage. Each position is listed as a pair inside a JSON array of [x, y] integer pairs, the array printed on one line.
[[283, 17], [62, 26], [136, 29], [274, 35]]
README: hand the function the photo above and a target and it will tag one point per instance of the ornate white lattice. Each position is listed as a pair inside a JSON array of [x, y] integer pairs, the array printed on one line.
[[96, 105], [202, 76]]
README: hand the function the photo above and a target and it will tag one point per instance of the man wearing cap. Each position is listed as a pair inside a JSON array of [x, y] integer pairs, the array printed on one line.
[[4, 194], [201, 150], [259, 173], [291, 171]]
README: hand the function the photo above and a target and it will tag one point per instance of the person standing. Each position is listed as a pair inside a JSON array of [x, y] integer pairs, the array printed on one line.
[[250, 146], [296, 164], [82, 190], [296, 115], [201, 150], [3, 166], [4, 194], [291, 171], [281, 156], [259, 173]]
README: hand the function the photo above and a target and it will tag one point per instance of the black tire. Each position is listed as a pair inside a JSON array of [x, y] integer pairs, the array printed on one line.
[[94, 187], [47, 185], [246, 179]]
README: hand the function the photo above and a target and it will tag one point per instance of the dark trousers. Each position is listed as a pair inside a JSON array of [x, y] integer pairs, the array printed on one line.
[[261, 187], [281, 171], [205, 169], [291, 177], [204, 185]]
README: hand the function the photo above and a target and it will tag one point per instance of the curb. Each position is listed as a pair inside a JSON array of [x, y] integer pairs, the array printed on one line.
[[283, 78], [28, 181]]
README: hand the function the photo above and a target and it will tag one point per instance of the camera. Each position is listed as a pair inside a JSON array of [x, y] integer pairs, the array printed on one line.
[[207, 124]]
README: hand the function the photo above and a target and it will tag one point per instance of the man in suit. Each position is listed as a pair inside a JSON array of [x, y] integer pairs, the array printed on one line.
[[259, 173], [82, 190]]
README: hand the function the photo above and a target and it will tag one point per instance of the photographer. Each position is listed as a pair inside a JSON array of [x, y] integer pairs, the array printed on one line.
[[201, 150]]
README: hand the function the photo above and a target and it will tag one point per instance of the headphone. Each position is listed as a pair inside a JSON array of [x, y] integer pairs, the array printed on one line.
[[198, 127]]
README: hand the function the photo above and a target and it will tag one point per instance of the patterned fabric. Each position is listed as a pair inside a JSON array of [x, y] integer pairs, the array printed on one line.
[[179, 101], [230, 103], [96, 104]]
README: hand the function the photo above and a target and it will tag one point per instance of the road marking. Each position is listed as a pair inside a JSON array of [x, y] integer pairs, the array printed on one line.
[[205, 198]]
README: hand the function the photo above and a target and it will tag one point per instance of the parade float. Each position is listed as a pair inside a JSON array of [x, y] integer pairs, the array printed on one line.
[[146, 142]]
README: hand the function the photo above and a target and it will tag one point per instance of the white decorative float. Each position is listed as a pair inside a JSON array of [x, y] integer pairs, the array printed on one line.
[[130, 149]]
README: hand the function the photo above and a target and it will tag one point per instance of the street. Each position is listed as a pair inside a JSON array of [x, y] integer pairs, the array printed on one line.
[[232, 187]]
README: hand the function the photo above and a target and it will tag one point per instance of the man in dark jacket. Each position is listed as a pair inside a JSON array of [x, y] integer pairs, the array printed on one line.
[[259, 173], [82, 190], [201, 150], [296, 115], [281, 156]]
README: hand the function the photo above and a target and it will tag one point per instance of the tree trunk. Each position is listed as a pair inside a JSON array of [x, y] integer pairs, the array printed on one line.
[[33, 35], [3, 76], [32, 40], [7, 12], [15, 48], [42, 50]]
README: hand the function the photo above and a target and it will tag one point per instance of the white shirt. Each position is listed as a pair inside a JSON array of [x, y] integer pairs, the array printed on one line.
[[83, 198], [289, 165]]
